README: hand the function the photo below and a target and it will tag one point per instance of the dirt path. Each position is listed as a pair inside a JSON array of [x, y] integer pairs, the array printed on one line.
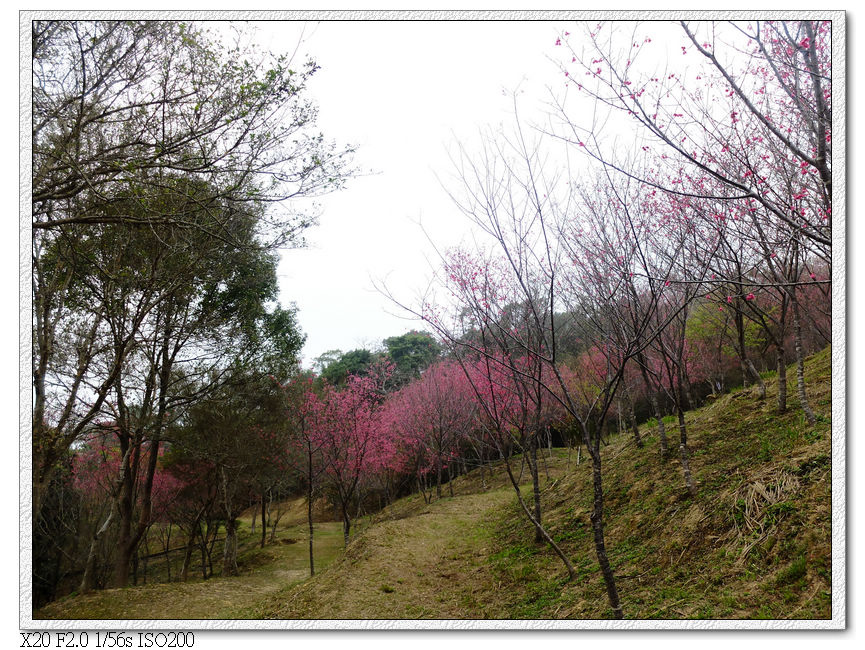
[[432, 564]]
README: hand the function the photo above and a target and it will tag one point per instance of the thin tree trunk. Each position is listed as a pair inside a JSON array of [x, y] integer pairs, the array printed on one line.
[[544, 459], [210, 547], [187, 556], [167, 549], [558, 551], [681, 389], [450, 479], [800, 362], [597, 519], [656, 406], [662, 428], [88, 580], [263, 522], [761, 385], [311, 531], [274, 522], [346, 524], [782, 379], [632, 417], [536, 486], [229, 551], [203, 549], [683, 453]]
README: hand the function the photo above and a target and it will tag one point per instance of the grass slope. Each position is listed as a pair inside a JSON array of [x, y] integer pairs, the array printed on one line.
[[753, 543], [263, 572]]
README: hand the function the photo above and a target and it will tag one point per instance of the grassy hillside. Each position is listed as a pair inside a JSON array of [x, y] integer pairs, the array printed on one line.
[[753, 543], [263, 572]]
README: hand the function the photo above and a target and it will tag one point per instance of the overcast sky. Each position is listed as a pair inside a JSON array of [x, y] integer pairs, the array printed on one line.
[[403, 92]]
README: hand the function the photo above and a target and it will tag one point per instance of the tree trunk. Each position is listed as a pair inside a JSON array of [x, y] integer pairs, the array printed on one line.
[[125, 546], [309, 494], [536, 486], [187, 556], [800, 362], [450, 479], [346, 524], [274, 522], [167, 549], [747, 366], [311, 530], [229, 551], [88, 580], [544, 459], [681, 390], [558, 551], [656, 406], [761, 385], [782, 379], [41, 481], [263, 521], [684, 455], [632, 417], [597, 519]]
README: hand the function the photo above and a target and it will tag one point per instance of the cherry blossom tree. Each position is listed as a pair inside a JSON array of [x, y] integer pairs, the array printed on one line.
[[304, 447], [749, 122], [344, 427], [432, 415], [745, 127]]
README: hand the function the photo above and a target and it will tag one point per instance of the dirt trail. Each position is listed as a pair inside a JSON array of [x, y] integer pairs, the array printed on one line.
[[432, 564]]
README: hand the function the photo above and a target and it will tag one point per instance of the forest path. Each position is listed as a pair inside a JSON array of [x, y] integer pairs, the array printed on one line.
[[431, 563]]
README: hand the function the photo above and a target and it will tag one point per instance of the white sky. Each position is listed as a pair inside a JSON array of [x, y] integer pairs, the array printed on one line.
[[403, 92]]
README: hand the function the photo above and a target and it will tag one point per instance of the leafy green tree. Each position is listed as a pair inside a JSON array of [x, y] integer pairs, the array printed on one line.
[[323, 360], [354, 362], [210, 310], [157, 125], [239, 430], [411, 353]]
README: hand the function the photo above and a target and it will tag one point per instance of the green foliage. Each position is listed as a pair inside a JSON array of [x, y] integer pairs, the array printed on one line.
[[355, 362], [411, 353], [793, 572]]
